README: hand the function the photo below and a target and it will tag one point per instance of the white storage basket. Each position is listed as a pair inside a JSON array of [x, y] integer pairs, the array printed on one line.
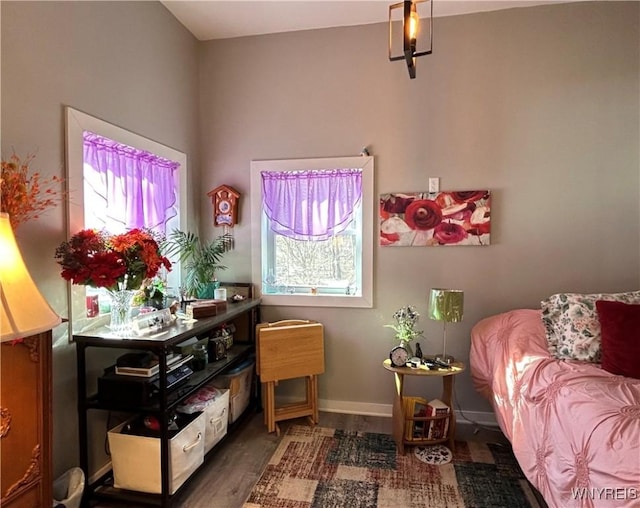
[[216, 419], [136, 459], [239, 382]]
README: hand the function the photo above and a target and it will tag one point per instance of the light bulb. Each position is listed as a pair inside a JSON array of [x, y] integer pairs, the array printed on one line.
[[414, 24]]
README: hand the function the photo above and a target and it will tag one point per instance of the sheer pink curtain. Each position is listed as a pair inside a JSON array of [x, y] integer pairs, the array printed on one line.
[[311, 205], [138, 186]]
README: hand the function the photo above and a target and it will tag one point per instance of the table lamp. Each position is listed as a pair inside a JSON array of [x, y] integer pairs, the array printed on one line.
[[445, 305], [23, 310]]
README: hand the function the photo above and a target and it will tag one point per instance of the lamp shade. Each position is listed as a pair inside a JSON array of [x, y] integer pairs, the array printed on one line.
[[446, 305], [24, 311]]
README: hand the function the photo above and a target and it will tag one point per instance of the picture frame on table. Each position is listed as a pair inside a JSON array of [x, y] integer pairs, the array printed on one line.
[[238, 291]]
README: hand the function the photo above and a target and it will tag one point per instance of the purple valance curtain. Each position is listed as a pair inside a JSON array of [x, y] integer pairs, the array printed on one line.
[[140, 188], [311, 205]]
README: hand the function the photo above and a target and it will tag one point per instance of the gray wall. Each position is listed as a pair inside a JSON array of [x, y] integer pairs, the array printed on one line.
[[538, 104], [130, 63]]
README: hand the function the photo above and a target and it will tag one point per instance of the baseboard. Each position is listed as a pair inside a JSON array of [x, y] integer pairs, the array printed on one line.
[[480, 418], [354, 408], [368, 409]]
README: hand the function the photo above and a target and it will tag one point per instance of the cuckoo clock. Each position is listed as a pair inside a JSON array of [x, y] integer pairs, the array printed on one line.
[[225, 205]]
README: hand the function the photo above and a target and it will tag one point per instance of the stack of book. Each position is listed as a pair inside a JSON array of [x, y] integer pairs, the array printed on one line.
[[438, 428], [415, 407], [419, 426], [147, 365]]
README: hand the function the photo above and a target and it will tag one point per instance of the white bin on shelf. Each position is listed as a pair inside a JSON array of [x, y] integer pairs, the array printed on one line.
[[136, 459], [216, 419], [239, 382]]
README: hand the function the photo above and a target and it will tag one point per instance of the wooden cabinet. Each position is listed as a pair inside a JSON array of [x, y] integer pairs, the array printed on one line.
[[25, 422], [244, 315]]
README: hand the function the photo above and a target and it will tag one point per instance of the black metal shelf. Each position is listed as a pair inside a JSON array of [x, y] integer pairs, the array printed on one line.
[[246, 313], [197, 380], [104, 490], [168, 337]]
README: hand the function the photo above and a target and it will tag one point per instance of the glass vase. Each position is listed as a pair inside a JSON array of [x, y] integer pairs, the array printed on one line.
[[121, 303], [405, 344]]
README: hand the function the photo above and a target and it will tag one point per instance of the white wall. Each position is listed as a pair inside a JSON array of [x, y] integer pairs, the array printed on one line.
[[539, 104], [130, 63]]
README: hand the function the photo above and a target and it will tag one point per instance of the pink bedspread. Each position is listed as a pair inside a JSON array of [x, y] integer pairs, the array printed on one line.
[[574, 428]]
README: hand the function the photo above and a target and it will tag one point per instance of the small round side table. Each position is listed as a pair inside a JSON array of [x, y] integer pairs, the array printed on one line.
[[400, 419]]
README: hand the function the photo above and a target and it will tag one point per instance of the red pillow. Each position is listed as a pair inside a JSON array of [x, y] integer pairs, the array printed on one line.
[[620, 334]]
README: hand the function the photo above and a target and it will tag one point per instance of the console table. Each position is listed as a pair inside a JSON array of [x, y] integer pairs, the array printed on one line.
[[245, 315]]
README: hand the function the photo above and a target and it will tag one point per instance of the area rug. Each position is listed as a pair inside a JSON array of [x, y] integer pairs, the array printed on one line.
[[317, 467], [436, 455]]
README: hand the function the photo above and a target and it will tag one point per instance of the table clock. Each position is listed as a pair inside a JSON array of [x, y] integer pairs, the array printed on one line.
[[399, 356]]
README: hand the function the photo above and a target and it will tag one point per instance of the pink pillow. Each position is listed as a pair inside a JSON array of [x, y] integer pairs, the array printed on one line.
[[620, 335]]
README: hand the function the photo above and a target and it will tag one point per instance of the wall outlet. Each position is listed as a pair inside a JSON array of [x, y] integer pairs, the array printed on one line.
[[434, 184]]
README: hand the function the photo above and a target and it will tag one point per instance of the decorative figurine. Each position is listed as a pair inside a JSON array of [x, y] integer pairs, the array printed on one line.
[[418, 351]]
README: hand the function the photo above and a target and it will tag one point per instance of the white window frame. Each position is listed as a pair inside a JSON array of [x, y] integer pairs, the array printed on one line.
[[76, 123], [365, 300]]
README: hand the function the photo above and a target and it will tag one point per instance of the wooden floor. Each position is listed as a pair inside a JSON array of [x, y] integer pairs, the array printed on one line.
[[234, 468], [231, 473]]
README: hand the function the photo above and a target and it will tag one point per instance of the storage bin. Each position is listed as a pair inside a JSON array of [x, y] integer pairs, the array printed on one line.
[[136, 459], [216, 418], [68, 489], [239, 382]]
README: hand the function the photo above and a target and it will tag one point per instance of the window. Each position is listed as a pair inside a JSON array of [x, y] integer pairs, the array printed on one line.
[[89, 201], [127, 188], [314, 246]]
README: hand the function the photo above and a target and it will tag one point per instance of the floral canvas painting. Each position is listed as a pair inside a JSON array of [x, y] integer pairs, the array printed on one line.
[[426, 219]]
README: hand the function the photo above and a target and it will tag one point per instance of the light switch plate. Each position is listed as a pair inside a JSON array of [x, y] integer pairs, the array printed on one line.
[[434, 184]]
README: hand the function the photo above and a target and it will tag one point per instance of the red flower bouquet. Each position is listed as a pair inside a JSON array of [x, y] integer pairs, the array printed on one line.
[[98, 259]]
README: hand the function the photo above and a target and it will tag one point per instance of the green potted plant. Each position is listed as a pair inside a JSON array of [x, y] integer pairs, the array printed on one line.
[[200, 260]]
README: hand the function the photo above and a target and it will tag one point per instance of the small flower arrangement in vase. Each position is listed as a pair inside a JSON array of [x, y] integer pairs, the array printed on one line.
[[406, 319]]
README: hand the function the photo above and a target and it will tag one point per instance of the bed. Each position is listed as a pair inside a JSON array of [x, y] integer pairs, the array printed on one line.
[[574, 427]]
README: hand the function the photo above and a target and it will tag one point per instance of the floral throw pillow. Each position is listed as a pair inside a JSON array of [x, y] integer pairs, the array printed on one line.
[[572, 325]]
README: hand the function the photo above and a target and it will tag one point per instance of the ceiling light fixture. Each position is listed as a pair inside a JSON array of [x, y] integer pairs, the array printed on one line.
[[410, 32]]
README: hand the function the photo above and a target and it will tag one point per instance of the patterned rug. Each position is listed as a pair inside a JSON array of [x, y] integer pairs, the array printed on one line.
[[327, 468]]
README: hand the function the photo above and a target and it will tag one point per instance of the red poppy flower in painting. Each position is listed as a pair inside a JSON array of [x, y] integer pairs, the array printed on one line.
[[480, 229], [423, 214], [397, 203], [468, 196], [384, 215], [458, 211], [446, 233], [479, 222], [388, 238]]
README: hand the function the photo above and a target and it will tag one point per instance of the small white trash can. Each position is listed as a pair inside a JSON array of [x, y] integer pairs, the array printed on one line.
[[68, 489]]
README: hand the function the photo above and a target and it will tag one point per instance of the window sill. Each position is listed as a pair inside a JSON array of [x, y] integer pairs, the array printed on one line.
[[316, 301]]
